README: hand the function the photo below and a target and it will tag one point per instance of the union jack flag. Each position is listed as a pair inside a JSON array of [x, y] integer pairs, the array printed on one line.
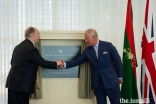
[[148, 67]]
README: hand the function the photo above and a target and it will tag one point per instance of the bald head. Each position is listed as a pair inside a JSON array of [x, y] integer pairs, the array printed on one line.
[[28, 31], [33, 34]]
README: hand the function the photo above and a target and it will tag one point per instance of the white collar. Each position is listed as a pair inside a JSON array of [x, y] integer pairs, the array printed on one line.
[[97, 44]]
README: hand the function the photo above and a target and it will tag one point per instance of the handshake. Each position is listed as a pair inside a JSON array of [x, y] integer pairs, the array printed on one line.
[[60, 63]]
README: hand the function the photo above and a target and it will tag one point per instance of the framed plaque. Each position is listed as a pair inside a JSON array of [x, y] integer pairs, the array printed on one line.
[[61, 45]]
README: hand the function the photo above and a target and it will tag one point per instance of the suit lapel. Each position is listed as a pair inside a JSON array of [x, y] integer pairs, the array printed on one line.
[[100, 50], [92, 51]]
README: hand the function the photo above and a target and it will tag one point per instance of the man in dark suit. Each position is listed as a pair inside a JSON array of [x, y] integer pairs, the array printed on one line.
[[24, 63], [106, 67]]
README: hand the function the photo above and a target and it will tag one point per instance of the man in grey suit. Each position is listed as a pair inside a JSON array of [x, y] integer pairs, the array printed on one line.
[[106, 67], [24, 63]]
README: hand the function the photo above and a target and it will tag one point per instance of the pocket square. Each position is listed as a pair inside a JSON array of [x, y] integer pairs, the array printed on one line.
[[104, 52]]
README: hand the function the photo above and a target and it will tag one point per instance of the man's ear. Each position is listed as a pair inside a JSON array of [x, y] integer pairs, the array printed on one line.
[[31, 35]]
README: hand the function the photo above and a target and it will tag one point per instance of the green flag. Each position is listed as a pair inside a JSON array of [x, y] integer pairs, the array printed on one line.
[[129, 90]]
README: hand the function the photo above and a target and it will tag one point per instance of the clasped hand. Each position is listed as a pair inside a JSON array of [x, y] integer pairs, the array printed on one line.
[[60, 63]]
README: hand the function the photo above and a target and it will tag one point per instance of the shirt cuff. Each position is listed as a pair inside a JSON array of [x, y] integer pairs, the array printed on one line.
[[64, 65]]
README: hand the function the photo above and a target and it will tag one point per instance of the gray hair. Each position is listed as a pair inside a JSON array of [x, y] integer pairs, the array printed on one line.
[[28, 31], [91, 32]]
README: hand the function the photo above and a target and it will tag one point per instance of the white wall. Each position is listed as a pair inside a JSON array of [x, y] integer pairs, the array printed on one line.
[[61, 91]]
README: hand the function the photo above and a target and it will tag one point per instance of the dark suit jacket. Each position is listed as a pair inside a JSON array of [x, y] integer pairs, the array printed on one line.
[[108, 66], [24, 63]]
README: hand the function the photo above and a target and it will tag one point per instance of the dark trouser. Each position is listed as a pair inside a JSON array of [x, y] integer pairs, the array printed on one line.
[[112, 93], [15, 97]]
